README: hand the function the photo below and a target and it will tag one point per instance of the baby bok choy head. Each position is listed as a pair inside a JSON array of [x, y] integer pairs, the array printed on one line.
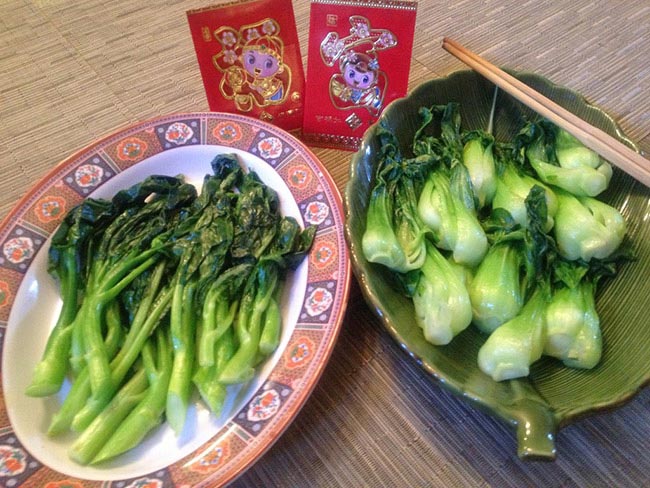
[[560, 159], [513, 186], [518, 342], [573, 326], [446, 208], [506, 276], [447, 204], [587, 228], [510, 350], [473, 149], [394, 234], [478, 158], [440, 298], [573, 332], [496, 290]]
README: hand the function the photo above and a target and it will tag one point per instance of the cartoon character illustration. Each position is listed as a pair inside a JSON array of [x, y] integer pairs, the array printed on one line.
[[360, 82], [252, 67]]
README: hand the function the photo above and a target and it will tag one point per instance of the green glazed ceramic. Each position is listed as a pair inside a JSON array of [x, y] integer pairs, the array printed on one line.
[[553, 395]]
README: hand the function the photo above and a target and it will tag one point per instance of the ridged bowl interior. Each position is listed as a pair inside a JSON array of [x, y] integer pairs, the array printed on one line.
[[553, 395]]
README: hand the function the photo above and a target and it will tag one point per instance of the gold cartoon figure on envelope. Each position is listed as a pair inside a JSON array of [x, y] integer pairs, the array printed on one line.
[[360, 82], [252, 67]]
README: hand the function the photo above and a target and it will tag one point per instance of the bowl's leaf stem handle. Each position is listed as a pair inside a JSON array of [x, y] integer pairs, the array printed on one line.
[[536, 430]]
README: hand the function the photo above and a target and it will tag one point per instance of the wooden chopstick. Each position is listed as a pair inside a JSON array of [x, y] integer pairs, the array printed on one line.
[[607, 146]]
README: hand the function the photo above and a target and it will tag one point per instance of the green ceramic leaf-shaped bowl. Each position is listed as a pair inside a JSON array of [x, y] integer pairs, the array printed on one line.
[[553, 395]]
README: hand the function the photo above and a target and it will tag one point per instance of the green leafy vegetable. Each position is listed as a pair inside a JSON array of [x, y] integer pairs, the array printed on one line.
[[587, 228], [148, 413], [561, 160], [68, 258], [441, 301], [507, 235], [164, 290], [573, 334], [395, 234], [514, 185], [510, 350], [478, 158], [455, 227], [496, 290], [573, 324], [515, 344]]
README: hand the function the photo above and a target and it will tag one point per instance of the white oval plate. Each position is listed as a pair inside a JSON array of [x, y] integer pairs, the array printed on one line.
[[210, 450]]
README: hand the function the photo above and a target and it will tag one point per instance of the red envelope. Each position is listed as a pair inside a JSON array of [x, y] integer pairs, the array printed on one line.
[[250, 61], [359, 61]]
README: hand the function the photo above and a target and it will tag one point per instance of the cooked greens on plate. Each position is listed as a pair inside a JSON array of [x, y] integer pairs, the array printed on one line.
[[165, 290]]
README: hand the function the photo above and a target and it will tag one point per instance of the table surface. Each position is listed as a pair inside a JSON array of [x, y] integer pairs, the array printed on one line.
[[73, 71]]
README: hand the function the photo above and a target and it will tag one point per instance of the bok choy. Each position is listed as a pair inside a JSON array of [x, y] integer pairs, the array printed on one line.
[[395, 234], [506, 235], [561, 160]]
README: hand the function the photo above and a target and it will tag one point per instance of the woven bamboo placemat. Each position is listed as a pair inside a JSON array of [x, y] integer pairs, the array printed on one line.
[[74, 71]]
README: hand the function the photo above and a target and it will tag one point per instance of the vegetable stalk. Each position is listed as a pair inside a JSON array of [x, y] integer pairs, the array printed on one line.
[[148, 413], [510, 350], [441, 301]]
